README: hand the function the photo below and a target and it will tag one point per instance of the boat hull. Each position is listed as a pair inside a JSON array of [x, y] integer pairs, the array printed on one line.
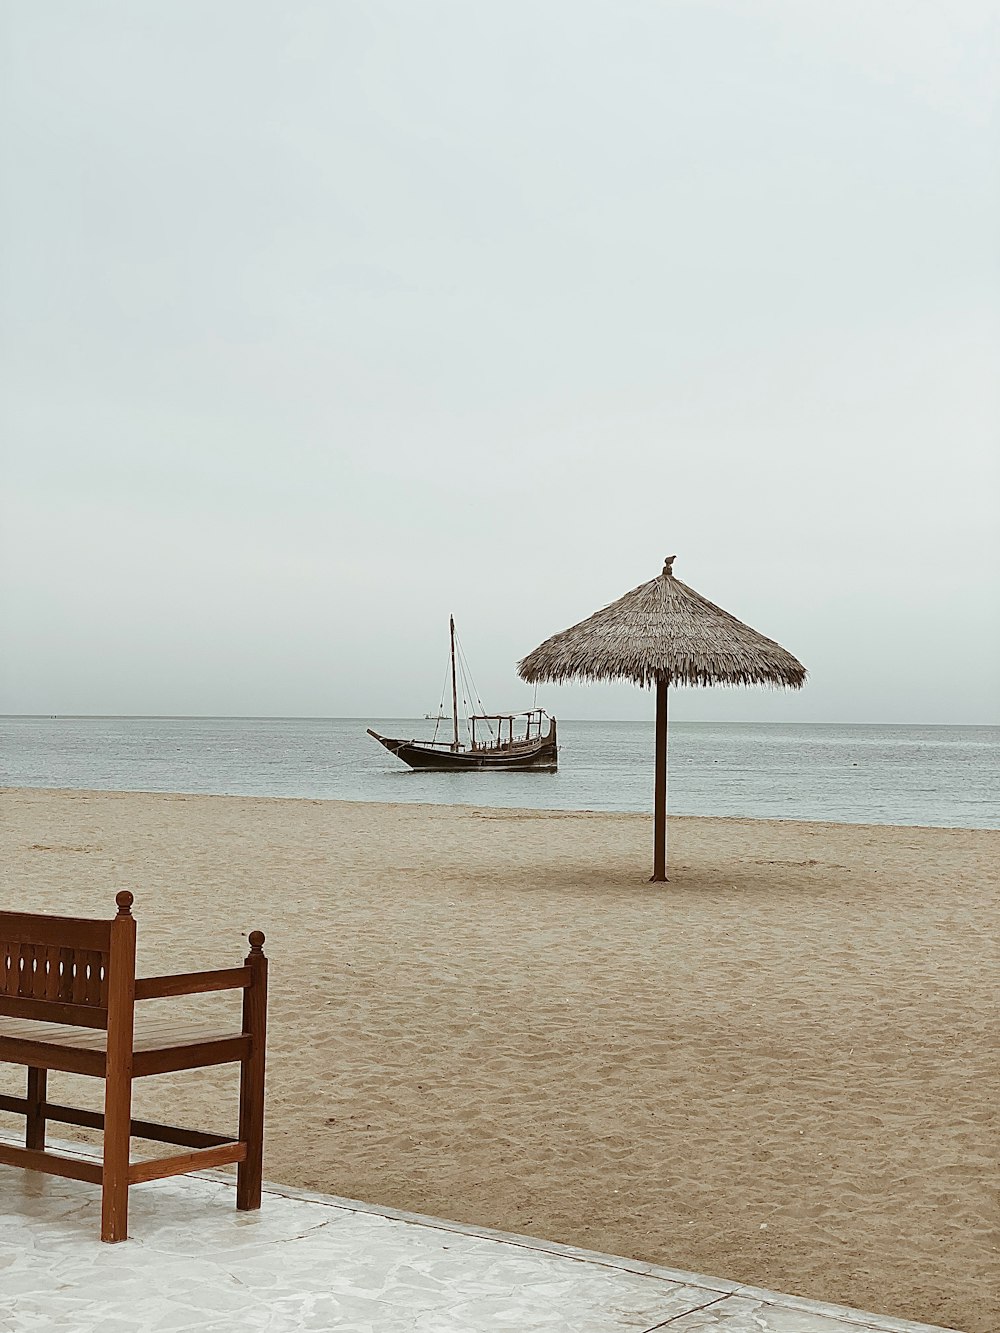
[[541, 755]]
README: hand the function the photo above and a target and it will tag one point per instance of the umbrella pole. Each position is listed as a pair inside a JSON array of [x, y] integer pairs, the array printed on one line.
[[660, 789]]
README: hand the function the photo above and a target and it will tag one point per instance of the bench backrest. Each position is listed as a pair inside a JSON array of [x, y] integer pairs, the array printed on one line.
[[56, 968]]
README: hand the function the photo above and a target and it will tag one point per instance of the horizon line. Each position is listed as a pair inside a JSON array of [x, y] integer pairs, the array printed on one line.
[[323, 717]]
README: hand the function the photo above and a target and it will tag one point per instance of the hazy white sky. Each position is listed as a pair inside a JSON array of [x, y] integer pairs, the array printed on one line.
[[321, 321]]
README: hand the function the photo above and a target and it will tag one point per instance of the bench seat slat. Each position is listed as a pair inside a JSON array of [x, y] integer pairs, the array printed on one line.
[[191, 1055], [160, 1047], [154, 1034], [150, 1033], [47, 1055]]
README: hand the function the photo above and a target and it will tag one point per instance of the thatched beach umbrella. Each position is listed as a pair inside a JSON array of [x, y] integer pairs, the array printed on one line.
[[663, 633]]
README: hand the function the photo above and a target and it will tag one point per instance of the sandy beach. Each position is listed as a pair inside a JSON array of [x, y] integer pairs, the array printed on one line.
[[778, 1068]]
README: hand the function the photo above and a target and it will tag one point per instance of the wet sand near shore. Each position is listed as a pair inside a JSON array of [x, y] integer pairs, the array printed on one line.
[[778, 1068]]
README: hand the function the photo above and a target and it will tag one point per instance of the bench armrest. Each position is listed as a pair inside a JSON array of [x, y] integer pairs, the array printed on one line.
[[193, 983]]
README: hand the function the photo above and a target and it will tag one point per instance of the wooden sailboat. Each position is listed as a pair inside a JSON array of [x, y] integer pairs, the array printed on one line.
[[526, 748]]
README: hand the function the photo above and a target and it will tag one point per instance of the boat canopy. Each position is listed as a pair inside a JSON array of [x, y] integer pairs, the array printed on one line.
[[532, 719]]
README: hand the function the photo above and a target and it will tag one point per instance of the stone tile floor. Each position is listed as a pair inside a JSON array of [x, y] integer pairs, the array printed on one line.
[[310, 1261]]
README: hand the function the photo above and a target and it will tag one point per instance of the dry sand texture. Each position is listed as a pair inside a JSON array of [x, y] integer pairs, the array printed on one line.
[[779, 1068]]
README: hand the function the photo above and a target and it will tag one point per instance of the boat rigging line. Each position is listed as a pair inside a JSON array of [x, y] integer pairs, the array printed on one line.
[[469, 685], [440, 716]]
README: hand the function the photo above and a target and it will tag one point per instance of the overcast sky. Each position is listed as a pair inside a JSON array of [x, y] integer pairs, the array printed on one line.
[[321, 321]]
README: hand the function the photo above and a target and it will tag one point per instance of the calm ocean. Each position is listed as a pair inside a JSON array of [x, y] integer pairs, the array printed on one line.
[[943, 776]]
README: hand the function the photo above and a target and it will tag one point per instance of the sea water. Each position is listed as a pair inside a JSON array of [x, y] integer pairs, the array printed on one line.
[[933, 775]]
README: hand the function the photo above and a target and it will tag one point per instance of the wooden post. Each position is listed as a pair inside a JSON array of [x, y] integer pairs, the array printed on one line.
[[118, 1073], [660, 788], [250, 1171], [34, 1133]]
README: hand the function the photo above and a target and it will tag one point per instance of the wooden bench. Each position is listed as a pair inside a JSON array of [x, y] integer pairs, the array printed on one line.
[[67, 996]]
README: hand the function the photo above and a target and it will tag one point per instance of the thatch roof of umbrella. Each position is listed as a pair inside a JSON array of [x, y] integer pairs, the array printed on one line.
[[663, 633]]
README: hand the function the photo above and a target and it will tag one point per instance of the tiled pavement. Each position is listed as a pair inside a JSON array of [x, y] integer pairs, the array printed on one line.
[[310, 1261]]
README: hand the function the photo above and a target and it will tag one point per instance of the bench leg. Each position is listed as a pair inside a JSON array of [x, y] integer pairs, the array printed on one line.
[[117, 1140], [250, 1172], [34, 1134]]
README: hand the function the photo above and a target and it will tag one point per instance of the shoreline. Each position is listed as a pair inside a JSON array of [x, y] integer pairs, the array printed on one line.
[[524, 811], [779, 1067]]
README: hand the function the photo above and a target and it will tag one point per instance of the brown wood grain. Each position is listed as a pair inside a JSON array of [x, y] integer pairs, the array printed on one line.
[[249, 1175], [192, 983], [69, 932], [53, 1164], [118, 1079], [141, 1129], [44, 1055], [53, 1011], [159, 1167], [194, 1055], [34, 1132]]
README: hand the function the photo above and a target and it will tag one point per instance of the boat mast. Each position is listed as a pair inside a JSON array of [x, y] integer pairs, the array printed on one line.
[[454, 686]]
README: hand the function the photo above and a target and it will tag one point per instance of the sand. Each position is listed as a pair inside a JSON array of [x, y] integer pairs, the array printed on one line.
[[780, 1068]]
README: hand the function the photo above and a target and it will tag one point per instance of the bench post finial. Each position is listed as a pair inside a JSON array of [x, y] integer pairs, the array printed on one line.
[[124, 901]]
